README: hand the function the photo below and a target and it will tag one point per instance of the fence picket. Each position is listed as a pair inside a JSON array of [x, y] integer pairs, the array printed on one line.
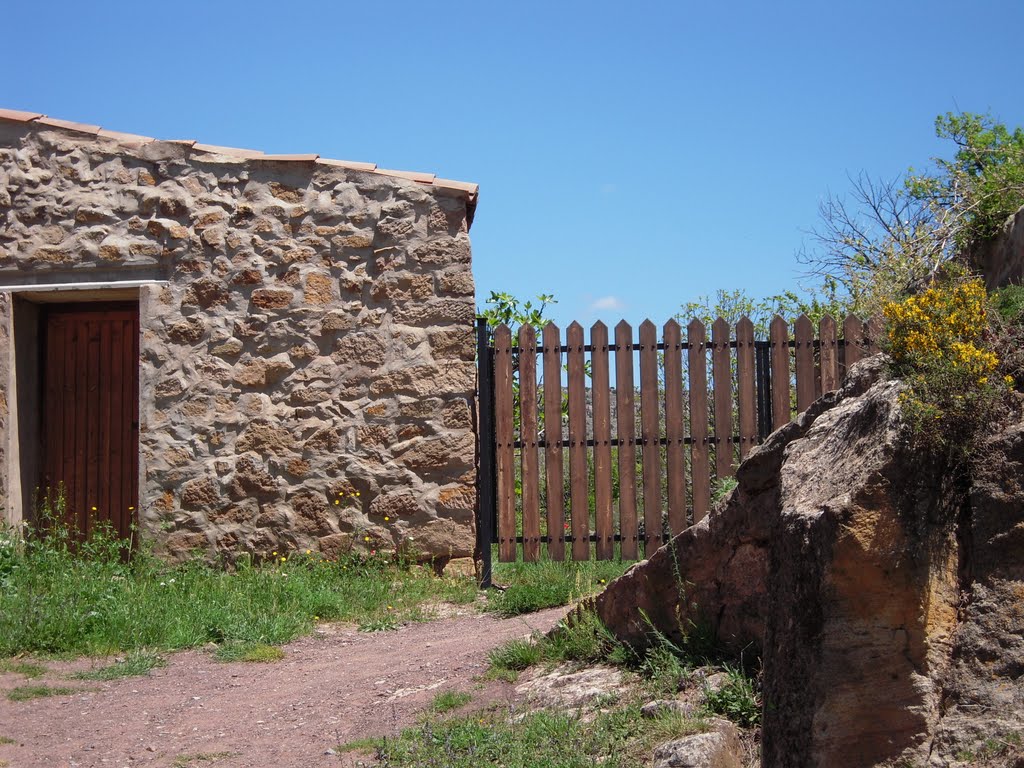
[[721, 370], [505, 453], [579, 503], [528, 442], [605, 524], [745, 394], [675, 429], [553, 470], [828, 354], [803, 335], [625, 410], [778, 334], [853, 351], [874, 330], [699, 465], [650, 436]]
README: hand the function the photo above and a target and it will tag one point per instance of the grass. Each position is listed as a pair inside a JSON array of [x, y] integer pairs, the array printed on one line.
[[134, 664], [26, 668], [62, 598], [259, 653], [661, 666], [617, 738], [7, 740], [549, 583], [27, 692], [447, 701], [187, 761]]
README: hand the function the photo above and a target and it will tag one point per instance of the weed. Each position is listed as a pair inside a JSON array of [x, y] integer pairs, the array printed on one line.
[[61, 596], [258, 653], [7, 740], [736, 700], [516, 655], [134, 664], [619, 738], [186, 761], [549, 583], [384, 623], [449, 700], [26, 692], [358, 745], [26, 668]]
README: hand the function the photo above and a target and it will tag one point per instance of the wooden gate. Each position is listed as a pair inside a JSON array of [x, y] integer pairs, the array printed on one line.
[[636, 475], [90, 411]]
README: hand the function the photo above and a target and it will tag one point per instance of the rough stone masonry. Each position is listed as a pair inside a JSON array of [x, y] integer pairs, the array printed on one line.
[[306, 371]]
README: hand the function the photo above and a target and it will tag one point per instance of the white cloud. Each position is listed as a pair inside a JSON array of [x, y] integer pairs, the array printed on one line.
[[608, 304]]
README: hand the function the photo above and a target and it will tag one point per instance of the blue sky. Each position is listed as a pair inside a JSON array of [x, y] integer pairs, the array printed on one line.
[[631, 156]]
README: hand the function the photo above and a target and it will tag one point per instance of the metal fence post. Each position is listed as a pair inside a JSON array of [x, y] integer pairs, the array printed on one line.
[[485, 476]]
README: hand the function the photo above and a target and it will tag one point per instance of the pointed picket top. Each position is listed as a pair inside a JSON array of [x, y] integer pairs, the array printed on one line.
[[598, 327], [527, 337], [803, 324], [552, 335], [502, 331], [778, 326], [827, 321], [745, 325], [720, 329], [695, 326], [623, 327], [672, 324]]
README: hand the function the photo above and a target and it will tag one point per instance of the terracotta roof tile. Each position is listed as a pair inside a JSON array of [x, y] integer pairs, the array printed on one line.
[[423, 178], [292, 158], [125, 138], [17, 116], [130, 139], [350, 164], [462, 186], [213, 149], [69, 125]]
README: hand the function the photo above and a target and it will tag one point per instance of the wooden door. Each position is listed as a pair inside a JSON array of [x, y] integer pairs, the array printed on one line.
[[90, 373]]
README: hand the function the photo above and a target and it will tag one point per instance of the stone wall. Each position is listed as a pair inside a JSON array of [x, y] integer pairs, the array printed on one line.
[[306, 372]]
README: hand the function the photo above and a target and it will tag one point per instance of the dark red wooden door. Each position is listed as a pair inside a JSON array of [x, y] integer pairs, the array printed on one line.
[[90, 411]]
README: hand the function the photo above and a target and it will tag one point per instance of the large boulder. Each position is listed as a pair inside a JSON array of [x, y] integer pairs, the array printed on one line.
[[887, 602]]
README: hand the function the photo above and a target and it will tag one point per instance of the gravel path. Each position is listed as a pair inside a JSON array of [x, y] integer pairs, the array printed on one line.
[[332, 687]]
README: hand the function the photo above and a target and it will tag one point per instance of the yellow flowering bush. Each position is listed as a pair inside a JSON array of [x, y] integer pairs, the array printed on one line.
[[940, 344]]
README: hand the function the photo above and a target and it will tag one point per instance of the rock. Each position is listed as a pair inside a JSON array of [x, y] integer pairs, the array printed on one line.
[[718, 748], [463, 567], [1001, 259], [567, 690], [440, 537]]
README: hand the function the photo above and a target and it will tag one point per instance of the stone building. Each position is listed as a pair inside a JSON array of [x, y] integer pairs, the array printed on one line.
[[238, 352]]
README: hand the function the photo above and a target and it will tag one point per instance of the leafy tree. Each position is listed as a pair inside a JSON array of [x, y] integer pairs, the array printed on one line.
[[887, 238]]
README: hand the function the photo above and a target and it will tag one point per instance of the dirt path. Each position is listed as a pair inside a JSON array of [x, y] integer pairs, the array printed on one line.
[[332, 687]]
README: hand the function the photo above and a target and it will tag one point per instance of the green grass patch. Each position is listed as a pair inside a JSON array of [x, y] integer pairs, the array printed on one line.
[[258, 653], [358, 745], [7, 740], [59, 598], [188, 761], [619, 738], [26, 668], [26, 692], [549, 583], [134, 664], [449, 700]]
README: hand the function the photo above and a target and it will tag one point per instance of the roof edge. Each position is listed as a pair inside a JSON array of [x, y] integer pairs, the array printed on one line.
[[469, 190]]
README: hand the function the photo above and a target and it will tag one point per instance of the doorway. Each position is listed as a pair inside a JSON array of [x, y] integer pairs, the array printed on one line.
[[89, 366]]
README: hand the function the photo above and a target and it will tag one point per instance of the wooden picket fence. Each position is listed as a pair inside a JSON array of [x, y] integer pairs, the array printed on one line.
[[688, 429]]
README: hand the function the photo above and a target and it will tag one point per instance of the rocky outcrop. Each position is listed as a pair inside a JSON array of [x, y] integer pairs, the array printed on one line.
[[1001, 260], [886, 603]]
